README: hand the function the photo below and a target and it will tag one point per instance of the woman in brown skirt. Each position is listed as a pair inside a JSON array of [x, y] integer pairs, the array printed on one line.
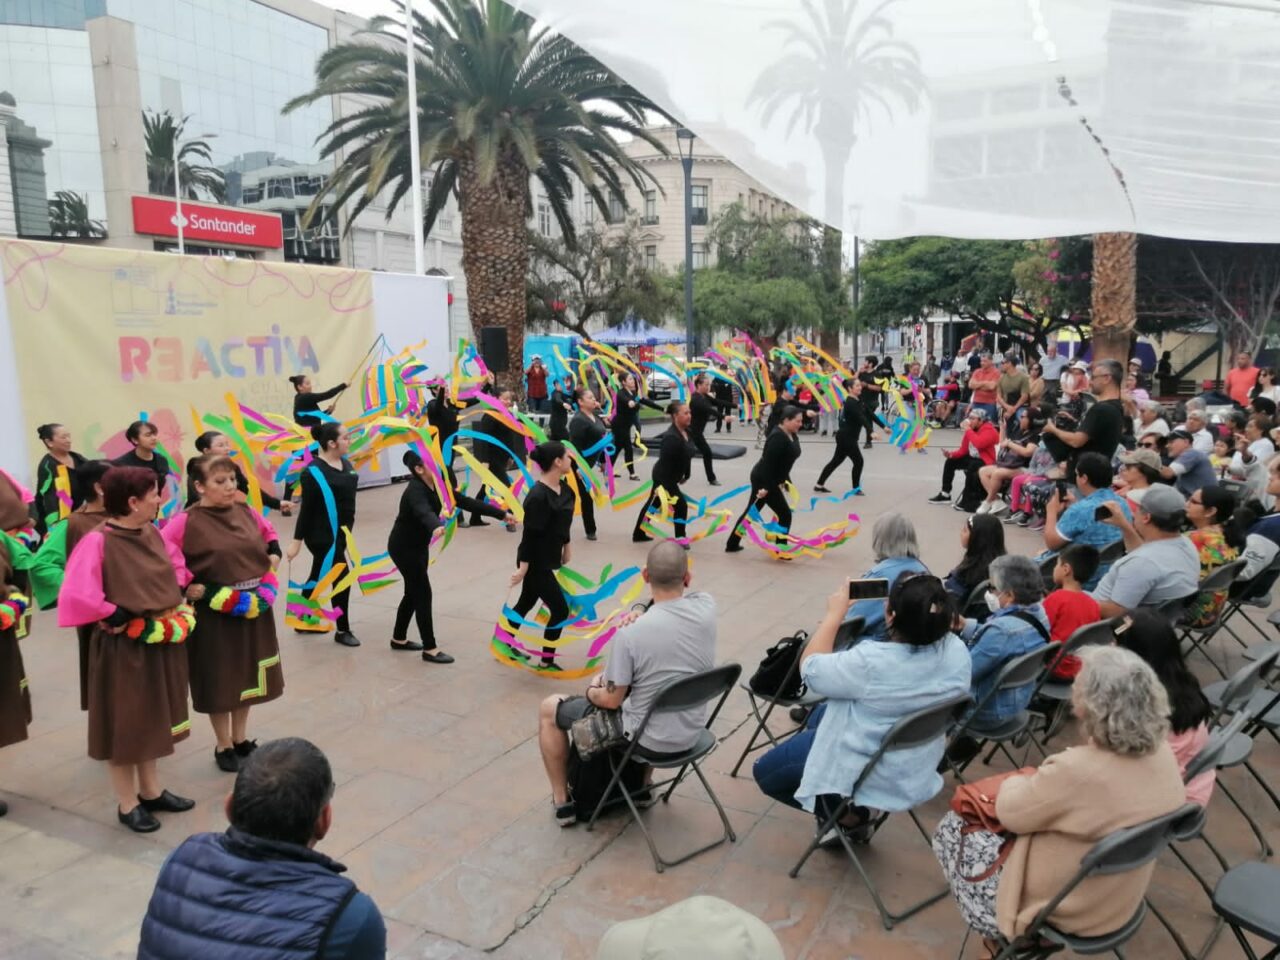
[[121, 579], [231, 556], [15, 698]]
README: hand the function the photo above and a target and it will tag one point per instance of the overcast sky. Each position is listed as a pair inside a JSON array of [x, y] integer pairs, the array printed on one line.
[[368, 8]]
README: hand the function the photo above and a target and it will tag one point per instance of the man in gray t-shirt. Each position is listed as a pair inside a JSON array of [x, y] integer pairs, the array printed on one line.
[[1161, 563], [1190, 470], [674, 638]]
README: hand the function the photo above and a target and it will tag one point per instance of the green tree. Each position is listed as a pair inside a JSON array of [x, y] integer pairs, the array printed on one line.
[[499, 100], [762, 307], [162, 134], [69, 217]]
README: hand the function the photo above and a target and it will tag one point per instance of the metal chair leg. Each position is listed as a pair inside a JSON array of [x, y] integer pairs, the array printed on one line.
[[1257, 831], [1263, 783], [1176, 937]]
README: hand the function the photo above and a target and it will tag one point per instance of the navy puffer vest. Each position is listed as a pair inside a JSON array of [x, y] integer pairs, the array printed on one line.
[[222, 895]]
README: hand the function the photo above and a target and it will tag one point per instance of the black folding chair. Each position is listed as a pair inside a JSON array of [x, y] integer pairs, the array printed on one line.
[[975, 604], [1173, 608], [1055, 695], [1112, 552], [1248, 898], [914, 730], [1119, 852], [683, 694], [1254, 593], [1199, 635], [1046, 571]]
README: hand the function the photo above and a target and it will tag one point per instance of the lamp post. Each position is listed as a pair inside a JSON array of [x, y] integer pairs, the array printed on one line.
[[179, 220], [415, 152], [684, 144]]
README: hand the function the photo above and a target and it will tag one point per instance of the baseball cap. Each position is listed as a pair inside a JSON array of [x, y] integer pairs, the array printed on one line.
[[1162, 500], [1179, 434], [537, 356], [1143, 456], [1080, 365], [706, 928]]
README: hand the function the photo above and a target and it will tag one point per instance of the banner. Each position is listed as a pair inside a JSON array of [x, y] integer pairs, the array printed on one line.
[[101, 335]]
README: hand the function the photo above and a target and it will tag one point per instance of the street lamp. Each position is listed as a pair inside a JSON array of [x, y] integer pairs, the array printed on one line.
[[179, 220], [415, 150], [684, 145]]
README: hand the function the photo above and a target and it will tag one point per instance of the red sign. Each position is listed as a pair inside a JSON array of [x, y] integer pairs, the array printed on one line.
[[245, 228]]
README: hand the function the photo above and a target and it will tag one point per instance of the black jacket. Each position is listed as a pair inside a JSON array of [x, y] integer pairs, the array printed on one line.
[[419, 515], [585, 431], [781, 451], [489, 454], [306, 406], [704, 408], [675, 459], [313, 524], [558, 425], [854, 418], [627, 417], [548, 515]]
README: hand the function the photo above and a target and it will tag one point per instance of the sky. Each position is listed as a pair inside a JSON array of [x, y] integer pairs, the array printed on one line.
[[366, 8]]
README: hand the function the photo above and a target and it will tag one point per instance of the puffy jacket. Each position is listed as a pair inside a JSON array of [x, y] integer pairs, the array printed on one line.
[[984, 441], [223, 895]]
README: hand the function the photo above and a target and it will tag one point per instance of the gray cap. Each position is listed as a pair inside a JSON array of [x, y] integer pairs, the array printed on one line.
[[704, 928], [1162, 500]]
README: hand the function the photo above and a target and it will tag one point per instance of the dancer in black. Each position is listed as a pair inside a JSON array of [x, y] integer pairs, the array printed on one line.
[[854, 417], [306, 411], [493, 456], [723, 390], [675, 459], [704, 408], [58, 457], [770, 475], [561, 409], [626, 421], [408, 544], [544, 546], [586, 430]]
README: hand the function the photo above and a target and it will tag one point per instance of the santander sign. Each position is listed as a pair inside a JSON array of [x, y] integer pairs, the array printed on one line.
[[158, 216]]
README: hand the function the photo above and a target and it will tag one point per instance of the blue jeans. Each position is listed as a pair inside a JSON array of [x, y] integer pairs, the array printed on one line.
[[991, 409], [778, 772]]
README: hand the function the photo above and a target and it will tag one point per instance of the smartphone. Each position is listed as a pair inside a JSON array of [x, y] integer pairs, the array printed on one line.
[[1062, 491], [1102, 513], [876, 588]]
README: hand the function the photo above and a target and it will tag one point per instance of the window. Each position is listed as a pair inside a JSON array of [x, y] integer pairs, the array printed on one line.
[[699, 205], [544, 219], [651, 257], [650, 207], [589, 207], [699, 255], [615, 209]]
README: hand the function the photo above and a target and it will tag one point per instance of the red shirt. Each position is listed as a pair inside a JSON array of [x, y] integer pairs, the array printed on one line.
[[1068, 611], [537, 381], [985, 384], [1240, 382]]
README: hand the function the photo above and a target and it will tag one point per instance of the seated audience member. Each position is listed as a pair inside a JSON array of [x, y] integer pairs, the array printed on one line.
[[1013, 453], [1139, 469], [982, 538], [868, 687], [1220, 459], [1197, 426], [977, 449], [702, 927], [1068, 607], [262, 882], [674, 638], [1123, 774], [1078, 522], [1252, 451], [1217, 541], [1188, 468], [1029, 486], [897, 551], [1153, 638], [1150, 419], [1159, 564]]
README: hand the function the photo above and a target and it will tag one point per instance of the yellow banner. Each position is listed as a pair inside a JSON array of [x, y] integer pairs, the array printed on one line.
[[103, 334]]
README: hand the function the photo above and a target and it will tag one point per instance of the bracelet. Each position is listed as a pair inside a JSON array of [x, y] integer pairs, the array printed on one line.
[[12, 608], [175, 628], [248, 604]]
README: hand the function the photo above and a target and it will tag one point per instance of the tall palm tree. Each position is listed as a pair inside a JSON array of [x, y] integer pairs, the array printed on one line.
[[1114, 295], [201, 180], [499, 99], [69, 217]]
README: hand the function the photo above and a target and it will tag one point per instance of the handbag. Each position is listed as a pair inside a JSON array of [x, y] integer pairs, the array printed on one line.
[[975, 804], [776, 669], [597, 731]]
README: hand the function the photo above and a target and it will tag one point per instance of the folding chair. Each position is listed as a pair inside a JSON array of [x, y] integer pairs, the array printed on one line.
[[914, 730], [1219, 581], [1023, 670], [1256, 593], [1046, 571], [1173, 608], [1058, 692], [848, 630], [1118, 852], [1112, 552], [683, 694], [975, 604], [1248, 898]]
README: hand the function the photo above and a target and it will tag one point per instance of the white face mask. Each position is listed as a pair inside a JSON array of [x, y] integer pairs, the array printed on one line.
[[993, 600]]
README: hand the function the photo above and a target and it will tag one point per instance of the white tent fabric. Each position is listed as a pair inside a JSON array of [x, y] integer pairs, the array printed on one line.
[[975, 118]]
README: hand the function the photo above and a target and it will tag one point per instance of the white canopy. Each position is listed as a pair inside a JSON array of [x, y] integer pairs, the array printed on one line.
[[975, 118]]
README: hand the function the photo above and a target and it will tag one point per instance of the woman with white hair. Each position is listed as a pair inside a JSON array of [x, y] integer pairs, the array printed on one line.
[[1150, 419], [897, 551], [1123, 774]]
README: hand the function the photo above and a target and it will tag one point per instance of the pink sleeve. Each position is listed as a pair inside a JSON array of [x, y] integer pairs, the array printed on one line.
[[81, 600], [265, 528], [173, 535], [23, 492]]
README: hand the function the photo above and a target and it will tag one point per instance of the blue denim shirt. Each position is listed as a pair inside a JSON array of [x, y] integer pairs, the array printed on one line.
[[991, 646], [872, 611]]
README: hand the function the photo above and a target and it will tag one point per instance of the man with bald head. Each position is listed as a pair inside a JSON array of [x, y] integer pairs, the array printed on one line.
[[675, 637]]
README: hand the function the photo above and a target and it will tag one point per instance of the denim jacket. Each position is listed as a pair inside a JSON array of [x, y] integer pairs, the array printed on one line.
[[991, 645]]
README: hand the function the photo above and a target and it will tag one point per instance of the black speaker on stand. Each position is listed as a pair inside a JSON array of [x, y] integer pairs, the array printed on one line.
[[493, 348]]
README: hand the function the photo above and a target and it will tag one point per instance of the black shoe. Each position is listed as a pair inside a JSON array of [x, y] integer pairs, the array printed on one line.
[[246, 747], [566, 813], [941, 497], [714, 483], [438, 657], [166, 803], [859, 492], [634, 476], [733, 548], [643, 798], [799, 714], [640, 538], [228, 760], [477, 522], [4, 808], [866, 446], [346, 638], [405, 645], [591, 536], [819, 488], [550, 666], [139, 820]]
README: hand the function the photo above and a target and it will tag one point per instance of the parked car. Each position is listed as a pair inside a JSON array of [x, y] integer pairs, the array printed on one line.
[[659, 386]]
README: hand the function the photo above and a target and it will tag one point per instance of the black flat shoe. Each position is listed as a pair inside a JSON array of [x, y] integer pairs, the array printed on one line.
[[640, 538], [346, 638], [166, 803], [4, 808], [438, 657], [634, 477], [550, 666], [406, 645], [228, 760], [591, 536], [733, 548], [246, 747], [714, 483], [819, 488], [139, 820]]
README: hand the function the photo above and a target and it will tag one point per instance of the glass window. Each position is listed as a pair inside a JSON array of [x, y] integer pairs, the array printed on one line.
[[589, 209], [616, 212], [699, 256], [651, 257], [699, 205], [651, 206], [544, 215]]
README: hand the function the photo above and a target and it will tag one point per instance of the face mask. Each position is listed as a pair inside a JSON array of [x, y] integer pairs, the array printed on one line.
[[993, 600]]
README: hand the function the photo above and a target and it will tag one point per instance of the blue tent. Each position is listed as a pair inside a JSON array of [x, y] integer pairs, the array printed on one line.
[[634, 332]]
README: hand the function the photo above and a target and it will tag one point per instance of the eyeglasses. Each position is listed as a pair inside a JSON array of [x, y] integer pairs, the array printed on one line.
[[1148, 446]]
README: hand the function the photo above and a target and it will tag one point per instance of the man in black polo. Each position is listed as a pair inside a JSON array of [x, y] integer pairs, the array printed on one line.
[[1103, 423]]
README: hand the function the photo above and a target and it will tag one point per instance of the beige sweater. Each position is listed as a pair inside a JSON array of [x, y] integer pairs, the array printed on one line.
[[1075, 799]]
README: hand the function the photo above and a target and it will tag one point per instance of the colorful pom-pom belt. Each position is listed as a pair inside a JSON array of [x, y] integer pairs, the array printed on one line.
[[243, 601]]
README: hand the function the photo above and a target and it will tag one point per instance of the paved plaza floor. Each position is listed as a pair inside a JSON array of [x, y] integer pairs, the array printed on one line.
[[442, 810]]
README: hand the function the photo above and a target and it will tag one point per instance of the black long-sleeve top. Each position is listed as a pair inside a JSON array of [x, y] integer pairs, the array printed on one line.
[[854, 418], [585, 431], [723, 391], [270, 501], [490, 454], [46, 486], [625, 416], [157, 463], [781, 451], [561, 408], [548, 515], [675, 459], [703, 408], [419, 515], [306, 406], [313, 518]]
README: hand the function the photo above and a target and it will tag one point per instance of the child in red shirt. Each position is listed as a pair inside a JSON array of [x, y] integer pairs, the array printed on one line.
[[1069, 608]]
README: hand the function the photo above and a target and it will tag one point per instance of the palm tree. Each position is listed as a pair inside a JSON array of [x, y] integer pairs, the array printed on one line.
[[200, 179], [1114, 294], [499, 99], [69, 217]]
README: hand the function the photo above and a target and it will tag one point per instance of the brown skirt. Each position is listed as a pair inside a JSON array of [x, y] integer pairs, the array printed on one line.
[[15, 698], [234, 662], [82, 641], [137, 698]]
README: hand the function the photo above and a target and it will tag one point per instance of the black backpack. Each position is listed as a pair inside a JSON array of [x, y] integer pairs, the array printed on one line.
[[774, 668], [588, 780]]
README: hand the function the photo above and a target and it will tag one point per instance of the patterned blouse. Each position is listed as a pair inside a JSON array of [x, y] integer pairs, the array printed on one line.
[[1214, 551]]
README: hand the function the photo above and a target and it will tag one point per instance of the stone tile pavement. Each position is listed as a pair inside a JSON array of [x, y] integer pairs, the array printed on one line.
[[442, 810]]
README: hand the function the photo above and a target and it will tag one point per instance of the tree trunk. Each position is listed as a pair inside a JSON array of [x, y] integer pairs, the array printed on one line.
[[495, 254], [832, 241], [1114, 294]]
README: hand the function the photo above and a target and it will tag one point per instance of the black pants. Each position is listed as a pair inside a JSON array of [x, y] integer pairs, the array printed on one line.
[[588, 505], [775, 501], [679, 510], [846, 448], [416, 602], [725, 421], [541, 584], [700, 441], [869, 426], [501, 474], [624, 450], [342, 599]]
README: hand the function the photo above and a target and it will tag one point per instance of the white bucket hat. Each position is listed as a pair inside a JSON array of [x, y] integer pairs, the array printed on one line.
[[705, 928]]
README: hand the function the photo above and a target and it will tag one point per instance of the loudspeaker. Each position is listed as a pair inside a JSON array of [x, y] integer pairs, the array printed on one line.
[[493, 348]]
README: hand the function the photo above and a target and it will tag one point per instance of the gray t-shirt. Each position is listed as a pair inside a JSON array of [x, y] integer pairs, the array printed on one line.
[[1157, 571], [671, 640], [1193, 470]]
